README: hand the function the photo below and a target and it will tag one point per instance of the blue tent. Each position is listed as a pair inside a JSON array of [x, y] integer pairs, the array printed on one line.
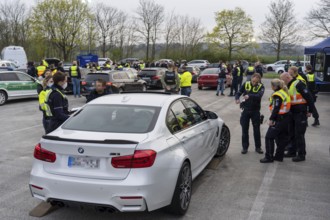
[[319, 47]]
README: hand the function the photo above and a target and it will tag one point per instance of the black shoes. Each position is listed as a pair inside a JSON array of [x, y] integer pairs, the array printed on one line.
[[316, 123], [278, 159], [298, 158], [266, 160], [259, 150], [289, 154], [244, 151], [222, 94]]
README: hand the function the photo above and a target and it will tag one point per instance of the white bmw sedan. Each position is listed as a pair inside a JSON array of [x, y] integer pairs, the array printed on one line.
[[128, 152]]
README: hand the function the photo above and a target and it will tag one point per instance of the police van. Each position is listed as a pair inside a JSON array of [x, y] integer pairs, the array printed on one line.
[[17, 55]]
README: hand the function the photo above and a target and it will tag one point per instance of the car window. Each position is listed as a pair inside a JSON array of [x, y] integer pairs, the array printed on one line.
[[8, 77], [114, 118], [94, 76], [194, 111], [123, 75], [116, 76], [181, 115], [172, 123], [23, 77]]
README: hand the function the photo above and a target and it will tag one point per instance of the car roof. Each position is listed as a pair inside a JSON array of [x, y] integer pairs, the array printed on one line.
[[141, 99], [154, 68]]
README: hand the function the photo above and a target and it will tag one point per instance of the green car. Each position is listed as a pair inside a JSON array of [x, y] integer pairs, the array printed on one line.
[[16, 85]]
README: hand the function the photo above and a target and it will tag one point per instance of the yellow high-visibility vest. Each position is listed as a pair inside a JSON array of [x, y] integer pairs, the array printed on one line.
[[286, 102]]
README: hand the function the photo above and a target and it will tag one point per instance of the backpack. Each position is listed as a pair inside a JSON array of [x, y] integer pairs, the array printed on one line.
[[169, 78]]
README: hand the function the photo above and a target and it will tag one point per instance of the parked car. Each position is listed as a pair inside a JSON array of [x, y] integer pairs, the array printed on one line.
[[213, 65], [208, 78], [303, 64], [201, 64], [280, 63], [116, 81], [165, 61], [17, 55], [152, 76], [8, 64], [128, 152], [129, 60], [103, 60], [16, 85]]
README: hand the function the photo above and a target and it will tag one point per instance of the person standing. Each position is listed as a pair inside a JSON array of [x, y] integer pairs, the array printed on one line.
[[252, 92], [302, 106], [47, 85], [259, 69], [100, 90], [41, 69], [235, 73], [240, 74], [221, 78], [57, 104], [171, 80], [60, 67], [185, 82], [279, 121], [74, 73], [32, 71], [250, 70], [287, 65], [311, 85]]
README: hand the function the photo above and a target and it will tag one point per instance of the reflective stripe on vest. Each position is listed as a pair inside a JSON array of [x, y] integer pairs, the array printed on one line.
[[54, 71], [286, 102], [46, 107], [311, 77], [248, 87], [238, 71], [301, 79], [295, 96], [41, 70], [74, 71]]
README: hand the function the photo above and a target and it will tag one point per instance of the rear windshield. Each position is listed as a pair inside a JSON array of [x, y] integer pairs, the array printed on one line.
[[148, 73], [114, 118], [95, 76], [211, 71]]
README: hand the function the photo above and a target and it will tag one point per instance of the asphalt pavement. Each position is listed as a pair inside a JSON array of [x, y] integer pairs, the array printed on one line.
[[236, 187]]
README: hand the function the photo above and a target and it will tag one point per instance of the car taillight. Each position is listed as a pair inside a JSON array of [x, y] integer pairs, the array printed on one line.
[[84, 83], [140, 159], [109, 83], [44, 155], [155, 77]]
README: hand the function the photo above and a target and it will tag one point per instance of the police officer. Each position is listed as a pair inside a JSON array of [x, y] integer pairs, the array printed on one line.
[[235, 72], [41, 69], [75, 76], [312, 88], [293, 71], [302, 106], [259, 69], [278, 122], [221, 78], [185, 82], [287, 65], [240, 74], [57, 103], [250, 70], [252, 92], [47, 85], [171, 80]]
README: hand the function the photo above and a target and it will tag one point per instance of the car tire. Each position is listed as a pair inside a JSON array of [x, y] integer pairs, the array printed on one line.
[[200, 87], [269, 69], [3, 97], [182, 193], [223, 142], [280, 71], [144, 88]]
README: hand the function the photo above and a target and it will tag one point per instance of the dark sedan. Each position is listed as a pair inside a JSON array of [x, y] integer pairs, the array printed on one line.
[[116, 81], [152, 76]]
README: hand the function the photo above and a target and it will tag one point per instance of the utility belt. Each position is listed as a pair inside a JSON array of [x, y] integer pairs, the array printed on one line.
[[182, 87], [283, 116]]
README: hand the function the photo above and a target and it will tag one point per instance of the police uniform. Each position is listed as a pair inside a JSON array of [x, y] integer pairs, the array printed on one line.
[[301, 103], [250, 70], [56, 108], [172, 80], [75, 76], [311, 85], [280, 104], [251, 111], [233, 89]]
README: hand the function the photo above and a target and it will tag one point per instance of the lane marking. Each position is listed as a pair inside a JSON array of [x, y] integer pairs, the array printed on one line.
[[22, 129], [260, 201]]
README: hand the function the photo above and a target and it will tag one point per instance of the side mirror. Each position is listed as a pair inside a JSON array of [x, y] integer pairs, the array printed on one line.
[[211, 115]]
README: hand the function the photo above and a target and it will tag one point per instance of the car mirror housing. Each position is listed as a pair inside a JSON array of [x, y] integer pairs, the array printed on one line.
[[211, 115]]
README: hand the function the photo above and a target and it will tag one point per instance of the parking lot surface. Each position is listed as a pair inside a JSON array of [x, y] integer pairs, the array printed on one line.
[[234, 187]]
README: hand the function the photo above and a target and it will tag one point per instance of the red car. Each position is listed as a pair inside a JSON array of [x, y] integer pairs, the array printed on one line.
[[209, 78]]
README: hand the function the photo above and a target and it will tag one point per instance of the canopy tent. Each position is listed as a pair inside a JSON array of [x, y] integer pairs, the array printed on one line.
[[319, 47]]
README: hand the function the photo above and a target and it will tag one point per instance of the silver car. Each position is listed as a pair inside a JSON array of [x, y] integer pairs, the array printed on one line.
[[128, 152]]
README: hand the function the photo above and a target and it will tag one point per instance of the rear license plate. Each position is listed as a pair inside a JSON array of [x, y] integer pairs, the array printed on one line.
[[146, 78], [83, 162]]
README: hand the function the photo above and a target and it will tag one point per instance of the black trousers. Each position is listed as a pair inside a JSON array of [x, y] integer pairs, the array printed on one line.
[[254, 116], [239, 81], [234, 85], [278, 133], [297, 131], [315, 113]]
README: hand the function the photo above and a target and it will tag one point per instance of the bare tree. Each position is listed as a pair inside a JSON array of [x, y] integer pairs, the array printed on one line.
[[149, 16], [158, 20], [171, 31], [319, 20], [281, 28]]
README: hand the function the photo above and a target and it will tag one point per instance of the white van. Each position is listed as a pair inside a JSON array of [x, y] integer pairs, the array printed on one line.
[[17, 55]]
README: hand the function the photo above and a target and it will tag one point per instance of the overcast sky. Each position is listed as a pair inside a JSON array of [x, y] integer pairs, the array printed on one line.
[[204, 9]]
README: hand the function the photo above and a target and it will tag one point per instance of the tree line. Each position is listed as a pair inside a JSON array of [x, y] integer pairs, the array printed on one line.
[[64, 28]]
